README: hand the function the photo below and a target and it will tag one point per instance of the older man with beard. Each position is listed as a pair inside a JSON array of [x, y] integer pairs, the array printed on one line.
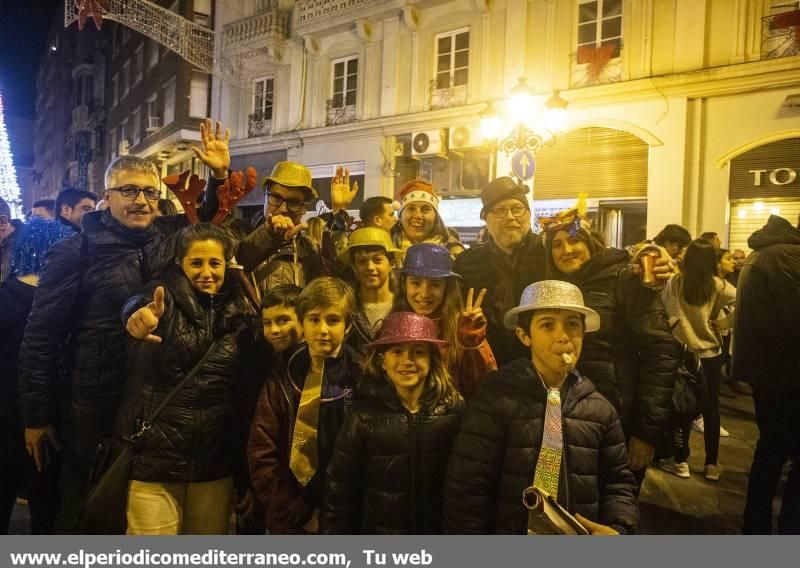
[[511, 259]]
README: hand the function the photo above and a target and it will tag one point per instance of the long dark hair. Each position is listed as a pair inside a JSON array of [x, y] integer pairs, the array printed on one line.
[[697, 273], [439, 230], [203, 232]]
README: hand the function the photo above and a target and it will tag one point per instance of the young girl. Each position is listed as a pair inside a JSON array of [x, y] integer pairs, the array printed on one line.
[[694, 299], [388, 465], [429, 287]]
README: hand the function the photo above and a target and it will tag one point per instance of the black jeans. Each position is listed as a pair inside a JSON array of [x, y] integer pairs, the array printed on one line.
[[712, 367], [778, 419], [17, 472]]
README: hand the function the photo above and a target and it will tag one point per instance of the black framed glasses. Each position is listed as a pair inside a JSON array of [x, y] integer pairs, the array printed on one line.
[[132, 192], [293, 205], [501, 212]]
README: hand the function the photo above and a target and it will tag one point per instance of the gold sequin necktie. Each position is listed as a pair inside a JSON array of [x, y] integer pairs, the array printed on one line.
[[548, 466], [304, 458]]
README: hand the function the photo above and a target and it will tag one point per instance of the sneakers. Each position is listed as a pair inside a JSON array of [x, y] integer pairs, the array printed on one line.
[[680, 469], [711, 472], [699, 426]]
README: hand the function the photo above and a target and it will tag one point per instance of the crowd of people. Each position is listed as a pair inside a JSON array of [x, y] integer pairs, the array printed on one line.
[[332, 375]]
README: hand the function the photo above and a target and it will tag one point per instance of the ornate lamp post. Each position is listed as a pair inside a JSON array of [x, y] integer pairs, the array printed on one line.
[[529, 132]]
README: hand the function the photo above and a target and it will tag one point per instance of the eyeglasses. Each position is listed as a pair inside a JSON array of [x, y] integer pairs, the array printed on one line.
[[516, 211], [132, 192], [293, 205]]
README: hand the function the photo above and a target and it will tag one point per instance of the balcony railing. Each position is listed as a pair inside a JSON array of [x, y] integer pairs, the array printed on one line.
[[153, 123], [780, 35], [259, 124], [338, 113], [272, 23], [311, 11], [447, 96]]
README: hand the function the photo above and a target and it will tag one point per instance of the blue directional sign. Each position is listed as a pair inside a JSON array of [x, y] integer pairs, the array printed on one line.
[[523, 164]]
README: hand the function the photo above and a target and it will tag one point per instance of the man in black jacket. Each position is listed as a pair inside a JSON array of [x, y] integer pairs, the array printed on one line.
[[72, 204], [76, 311], [766, 356], [512, 258]]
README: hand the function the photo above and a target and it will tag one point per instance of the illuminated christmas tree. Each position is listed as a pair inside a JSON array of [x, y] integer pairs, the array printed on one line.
[[9, 190]]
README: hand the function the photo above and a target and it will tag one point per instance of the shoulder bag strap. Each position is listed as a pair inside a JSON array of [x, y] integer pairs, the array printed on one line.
[[147, 424]]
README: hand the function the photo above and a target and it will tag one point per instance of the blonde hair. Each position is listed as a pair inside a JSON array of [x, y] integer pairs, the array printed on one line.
[[439, 389], [449, 313], [326, 292]]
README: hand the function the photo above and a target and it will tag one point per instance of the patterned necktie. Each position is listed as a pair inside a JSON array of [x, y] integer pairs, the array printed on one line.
[[548, 466], [304, 458]]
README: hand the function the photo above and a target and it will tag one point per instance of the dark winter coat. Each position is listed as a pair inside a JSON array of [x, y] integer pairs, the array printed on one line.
[[16, 299], [7, 249], [386, 475], [76, 310], [504, 277], [289, 505], [495, 452], [767, 340], [633, 358], [193, 439]]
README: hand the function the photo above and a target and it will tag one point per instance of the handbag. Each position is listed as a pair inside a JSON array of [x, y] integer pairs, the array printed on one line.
[[547, 517], [689, 393], [105, 508]]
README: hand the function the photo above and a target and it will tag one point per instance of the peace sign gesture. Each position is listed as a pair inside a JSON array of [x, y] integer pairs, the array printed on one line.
[[472, 310], [215, 152], [341, 194], [144, 321]]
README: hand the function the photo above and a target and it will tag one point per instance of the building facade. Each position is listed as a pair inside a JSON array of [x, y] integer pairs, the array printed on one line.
[[155, 99], [69, 130], [662, 97]]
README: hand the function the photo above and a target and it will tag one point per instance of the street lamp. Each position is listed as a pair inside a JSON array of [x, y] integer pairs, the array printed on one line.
[[532, 130]]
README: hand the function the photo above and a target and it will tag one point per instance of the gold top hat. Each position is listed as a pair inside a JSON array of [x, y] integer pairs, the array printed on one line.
[[368, 237], [293, 175]]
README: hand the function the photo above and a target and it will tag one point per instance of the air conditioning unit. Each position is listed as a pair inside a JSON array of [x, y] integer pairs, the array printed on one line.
[[153, 123], [429, 143], [401, 149], [463, 137]]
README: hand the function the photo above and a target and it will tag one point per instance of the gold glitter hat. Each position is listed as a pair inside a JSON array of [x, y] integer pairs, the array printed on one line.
[[368, 237], [552, 295], [293, 175]]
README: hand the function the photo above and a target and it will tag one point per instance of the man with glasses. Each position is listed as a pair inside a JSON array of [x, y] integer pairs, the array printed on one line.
[[76, 314], [511, 259], [277, 250]]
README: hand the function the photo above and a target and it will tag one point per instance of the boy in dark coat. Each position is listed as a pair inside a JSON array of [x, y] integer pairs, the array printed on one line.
[[538, 422]]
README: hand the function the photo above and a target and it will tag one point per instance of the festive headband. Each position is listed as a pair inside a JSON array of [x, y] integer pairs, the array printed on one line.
[[568, 220]]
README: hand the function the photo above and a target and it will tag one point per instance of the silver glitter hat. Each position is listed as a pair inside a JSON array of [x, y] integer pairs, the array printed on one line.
[[553, 295]]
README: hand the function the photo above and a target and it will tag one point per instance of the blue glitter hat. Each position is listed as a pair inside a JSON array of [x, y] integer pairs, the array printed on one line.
[[37, 237]]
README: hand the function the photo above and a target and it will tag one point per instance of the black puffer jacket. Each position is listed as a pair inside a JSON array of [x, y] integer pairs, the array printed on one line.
[[16, 299], [504, 277], [193, 438], [495, 452], [767, 344], [633, 358], [85, 282], [387, 471]]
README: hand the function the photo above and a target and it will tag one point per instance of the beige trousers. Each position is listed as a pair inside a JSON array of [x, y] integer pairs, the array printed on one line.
[[179, 508]]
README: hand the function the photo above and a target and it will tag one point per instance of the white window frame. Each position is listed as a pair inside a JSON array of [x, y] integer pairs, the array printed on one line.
[[126, 78], [170, 88], [271, 106], [346, 81], [452, 68], [114, 144], [598, 24], [136, 121], [138, 64], [153, 53], [115, 89]]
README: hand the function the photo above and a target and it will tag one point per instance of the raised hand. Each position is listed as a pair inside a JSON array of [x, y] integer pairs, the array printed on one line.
[[144, 321], [215, 152], [341, 193], [473, 314]]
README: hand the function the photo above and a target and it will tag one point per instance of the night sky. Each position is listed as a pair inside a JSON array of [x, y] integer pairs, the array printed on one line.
[[24, 25]]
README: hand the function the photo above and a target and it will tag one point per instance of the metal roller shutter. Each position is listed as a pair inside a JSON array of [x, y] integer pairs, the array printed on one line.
[[747, 216], [601, 161]]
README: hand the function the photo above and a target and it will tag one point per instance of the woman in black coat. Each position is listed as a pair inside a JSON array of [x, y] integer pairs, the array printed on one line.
[[181, 480], [388, 466], [632, 359]]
